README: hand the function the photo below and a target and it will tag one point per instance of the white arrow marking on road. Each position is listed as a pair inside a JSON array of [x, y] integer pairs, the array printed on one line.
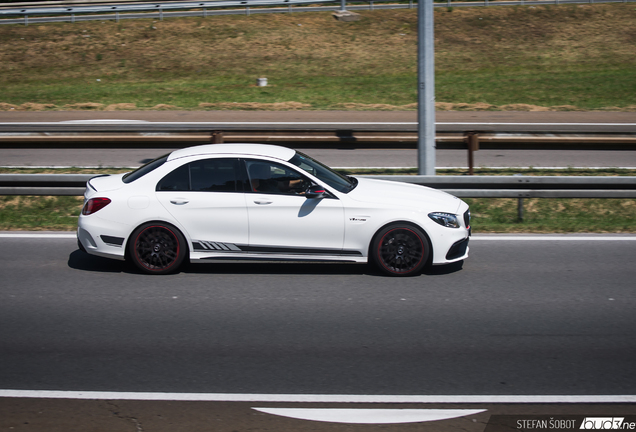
[[369, 416]]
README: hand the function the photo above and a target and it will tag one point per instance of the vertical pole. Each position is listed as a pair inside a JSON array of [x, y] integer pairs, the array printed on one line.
[[117, 17], [343, 5], [26, 20], [426, 88]]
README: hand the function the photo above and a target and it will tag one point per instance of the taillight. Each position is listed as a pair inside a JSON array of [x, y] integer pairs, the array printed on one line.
[[94, 204]]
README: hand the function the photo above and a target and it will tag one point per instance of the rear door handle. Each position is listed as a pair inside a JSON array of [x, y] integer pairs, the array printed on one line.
[[263, 202], [179, 201]]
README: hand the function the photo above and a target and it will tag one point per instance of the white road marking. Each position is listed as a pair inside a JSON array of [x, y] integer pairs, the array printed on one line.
[[551, 237], [319, 398], [61, 235], [369, 416]]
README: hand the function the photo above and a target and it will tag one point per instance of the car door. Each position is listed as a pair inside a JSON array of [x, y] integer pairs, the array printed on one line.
[[207, 197], [283, 220]]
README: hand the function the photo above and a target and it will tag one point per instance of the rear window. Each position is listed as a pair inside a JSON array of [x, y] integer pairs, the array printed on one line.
[[145, 169]]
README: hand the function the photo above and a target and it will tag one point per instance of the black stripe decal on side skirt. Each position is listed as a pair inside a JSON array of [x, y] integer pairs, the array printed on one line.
[[202, 246]]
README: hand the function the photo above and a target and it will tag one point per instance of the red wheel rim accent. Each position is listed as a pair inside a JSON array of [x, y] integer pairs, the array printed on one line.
[[157, 248]]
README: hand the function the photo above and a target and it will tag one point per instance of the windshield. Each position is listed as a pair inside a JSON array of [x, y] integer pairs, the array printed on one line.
[[337, 181]]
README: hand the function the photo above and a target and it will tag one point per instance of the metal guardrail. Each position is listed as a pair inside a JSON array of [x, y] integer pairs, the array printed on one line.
[[145, 7], [235, 7], [461, 186], [326, 138]]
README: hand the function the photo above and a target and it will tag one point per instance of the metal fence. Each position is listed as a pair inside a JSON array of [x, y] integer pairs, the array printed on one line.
[[118, 11], [461, 186]]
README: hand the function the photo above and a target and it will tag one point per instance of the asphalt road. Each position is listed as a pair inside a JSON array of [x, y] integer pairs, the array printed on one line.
[[544, 316], [525, 322]]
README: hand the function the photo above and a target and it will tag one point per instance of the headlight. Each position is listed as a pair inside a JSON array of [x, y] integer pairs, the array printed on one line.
[[445, 219]]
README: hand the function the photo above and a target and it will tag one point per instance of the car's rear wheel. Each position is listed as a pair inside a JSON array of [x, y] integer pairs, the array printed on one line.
[[400, 250], [157, 248]]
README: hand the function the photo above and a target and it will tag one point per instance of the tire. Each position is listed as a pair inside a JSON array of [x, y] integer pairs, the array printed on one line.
[[400, 250], [157, 248]]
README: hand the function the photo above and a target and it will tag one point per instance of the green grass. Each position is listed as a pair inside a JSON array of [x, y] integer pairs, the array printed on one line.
[[568, 57], [39, 213], [553, 215]]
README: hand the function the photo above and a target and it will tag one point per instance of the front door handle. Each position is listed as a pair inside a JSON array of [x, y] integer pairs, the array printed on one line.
[[263, 202], [179, 201]]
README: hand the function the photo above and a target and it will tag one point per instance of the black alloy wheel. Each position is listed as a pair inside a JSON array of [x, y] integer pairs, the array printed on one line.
[[400, 250], [157, 248]]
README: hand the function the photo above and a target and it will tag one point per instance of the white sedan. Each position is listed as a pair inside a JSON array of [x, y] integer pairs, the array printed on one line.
[[263, 202]]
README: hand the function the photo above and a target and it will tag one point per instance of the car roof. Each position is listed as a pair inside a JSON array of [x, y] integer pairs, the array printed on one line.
[[272, 151]]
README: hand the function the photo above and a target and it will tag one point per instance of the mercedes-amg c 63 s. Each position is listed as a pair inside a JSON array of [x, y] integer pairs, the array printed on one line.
[[263, 202]]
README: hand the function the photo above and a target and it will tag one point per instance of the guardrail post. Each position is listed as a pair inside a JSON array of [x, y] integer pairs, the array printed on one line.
[[73, 18], [519, 204], [247, 10], [217, 137], [26, 20], [472, 142], [117, 17]]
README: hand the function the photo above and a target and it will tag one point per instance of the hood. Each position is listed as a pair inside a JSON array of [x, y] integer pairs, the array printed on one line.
[[405, 195], [105, 183]]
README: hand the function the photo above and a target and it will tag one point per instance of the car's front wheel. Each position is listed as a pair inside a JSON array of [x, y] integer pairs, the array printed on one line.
[[157, 248], [400, 250]]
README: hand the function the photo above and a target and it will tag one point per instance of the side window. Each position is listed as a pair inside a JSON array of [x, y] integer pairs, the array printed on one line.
[[214, 175], [271, 177], [207, 175], [177, 180]]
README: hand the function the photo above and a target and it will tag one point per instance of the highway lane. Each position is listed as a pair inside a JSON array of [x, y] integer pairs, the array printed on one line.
[[521, 316], [361, 158], [448, 121]]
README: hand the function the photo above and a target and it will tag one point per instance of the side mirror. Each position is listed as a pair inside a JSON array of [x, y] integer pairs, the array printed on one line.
[[315, 192]]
